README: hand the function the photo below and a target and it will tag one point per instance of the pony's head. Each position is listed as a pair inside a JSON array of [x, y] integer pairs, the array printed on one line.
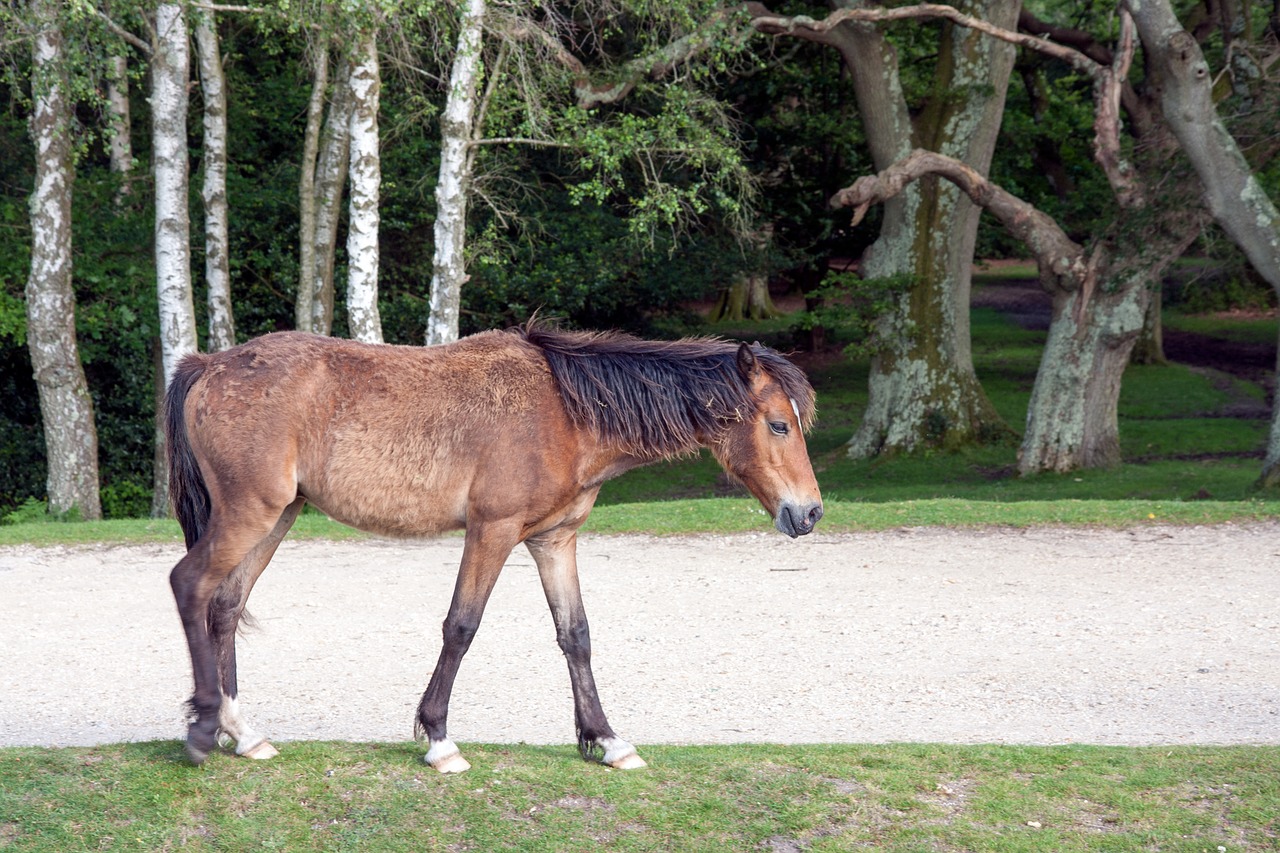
[[764, 448]]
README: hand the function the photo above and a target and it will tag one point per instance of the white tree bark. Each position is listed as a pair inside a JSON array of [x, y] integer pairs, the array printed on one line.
[[170, 69], [331, 176], [307, 202], [120, 124], [217, 270], [449, 272], [363, 320], [66, 409]]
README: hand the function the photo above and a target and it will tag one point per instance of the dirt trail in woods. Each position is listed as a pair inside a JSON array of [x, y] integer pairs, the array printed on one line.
[[1156, 635]]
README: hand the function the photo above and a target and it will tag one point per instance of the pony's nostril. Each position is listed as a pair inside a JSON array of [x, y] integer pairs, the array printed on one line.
[[815, 514]]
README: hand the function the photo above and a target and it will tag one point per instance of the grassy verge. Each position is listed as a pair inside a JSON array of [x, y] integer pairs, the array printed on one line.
[[336, 796], [741, 515]]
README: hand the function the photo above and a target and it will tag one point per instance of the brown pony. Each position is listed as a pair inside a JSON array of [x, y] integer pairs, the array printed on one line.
[[508, 435]]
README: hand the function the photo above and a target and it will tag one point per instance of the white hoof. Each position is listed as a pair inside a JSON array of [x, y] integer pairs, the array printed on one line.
[[629, 762], [445, 757], [260, 751], [621, 755]]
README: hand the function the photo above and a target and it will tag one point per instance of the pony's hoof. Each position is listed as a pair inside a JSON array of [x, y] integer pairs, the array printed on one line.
[[621, 755], [628, 762], [261, 751], [195, 754], [445, 757], [452, 764]]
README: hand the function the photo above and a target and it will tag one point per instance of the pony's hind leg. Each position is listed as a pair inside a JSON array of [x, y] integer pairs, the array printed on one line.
[[486, 549], [195, 581], [556, 556], [225, 612]]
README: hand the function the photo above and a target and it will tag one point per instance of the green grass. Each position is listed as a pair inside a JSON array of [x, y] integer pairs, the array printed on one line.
[[1245, 328], [338, 796]]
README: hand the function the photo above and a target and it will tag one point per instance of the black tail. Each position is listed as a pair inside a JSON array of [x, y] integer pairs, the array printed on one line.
[[187, 491]]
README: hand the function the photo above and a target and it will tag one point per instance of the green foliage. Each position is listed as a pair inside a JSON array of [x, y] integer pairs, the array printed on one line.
[[584, 264], [671, 166], [28, 512], [847, 306]]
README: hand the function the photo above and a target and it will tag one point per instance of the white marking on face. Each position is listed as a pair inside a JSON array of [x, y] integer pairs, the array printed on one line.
[[795, 409]]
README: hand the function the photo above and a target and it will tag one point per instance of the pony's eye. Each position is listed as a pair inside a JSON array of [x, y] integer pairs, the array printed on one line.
[[778, 427]]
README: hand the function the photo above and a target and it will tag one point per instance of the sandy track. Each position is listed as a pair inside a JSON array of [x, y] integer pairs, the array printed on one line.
[[1149, 636]]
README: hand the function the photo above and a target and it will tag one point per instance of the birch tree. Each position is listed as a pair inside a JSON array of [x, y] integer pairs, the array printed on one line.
[[66, 409], [331, 176], [213, 88], [307, 201], [170, 71], [456, 159], [366, 177], [119, 124]]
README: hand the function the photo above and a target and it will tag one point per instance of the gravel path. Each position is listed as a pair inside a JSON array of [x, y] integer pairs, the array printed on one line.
[[1149, 636]]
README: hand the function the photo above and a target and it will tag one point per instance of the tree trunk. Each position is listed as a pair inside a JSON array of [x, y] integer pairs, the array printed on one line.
[[66, 409], [170, 70], [1072, 419], [1150, 346], [222, 331], [923, 389], [746, 299], [363, 319], [449, 272], [160, 507], [1231, 191], [120, 125], [331, 175], [307, 201]]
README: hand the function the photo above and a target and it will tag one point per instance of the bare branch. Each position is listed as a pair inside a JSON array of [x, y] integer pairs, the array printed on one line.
[[519, 140], [1078, 39], [654, 65], [1106, 122], [805, 27], [1062, 262], [249, 10], [129, 37]]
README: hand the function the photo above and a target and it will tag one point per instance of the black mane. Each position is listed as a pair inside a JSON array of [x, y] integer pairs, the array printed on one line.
[[656, 398]]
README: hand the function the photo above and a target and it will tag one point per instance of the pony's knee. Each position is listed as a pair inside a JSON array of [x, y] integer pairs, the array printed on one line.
[[575, 640], [460, 631]]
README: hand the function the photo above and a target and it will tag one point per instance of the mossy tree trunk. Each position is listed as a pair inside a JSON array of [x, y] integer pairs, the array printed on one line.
[[1150, 346], [747, 298], [922, 389]]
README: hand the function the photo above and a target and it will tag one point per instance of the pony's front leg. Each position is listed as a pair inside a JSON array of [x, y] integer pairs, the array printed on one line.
[[485, 552], [556, 556]]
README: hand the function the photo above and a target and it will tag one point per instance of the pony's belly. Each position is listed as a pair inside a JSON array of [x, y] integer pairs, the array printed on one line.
[[394, 506]]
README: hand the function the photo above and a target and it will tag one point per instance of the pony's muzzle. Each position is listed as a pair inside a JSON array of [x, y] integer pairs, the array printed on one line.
[[796, 520]]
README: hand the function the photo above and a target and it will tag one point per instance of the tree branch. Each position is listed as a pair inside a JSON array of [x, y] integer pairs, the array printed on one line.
[[653, 65], [1106, 121], [1062, 262], [1078, 39], [519, 140], [805, 27], [120, 31]]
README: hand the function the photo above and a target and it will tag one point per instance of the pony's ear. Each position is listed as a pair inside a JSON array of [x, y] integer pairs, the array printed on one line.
[[748, 366]]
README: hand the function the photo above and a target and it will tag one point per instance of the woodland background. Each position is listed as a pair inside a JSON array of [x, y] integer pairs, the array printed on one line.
[[613, 164]]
